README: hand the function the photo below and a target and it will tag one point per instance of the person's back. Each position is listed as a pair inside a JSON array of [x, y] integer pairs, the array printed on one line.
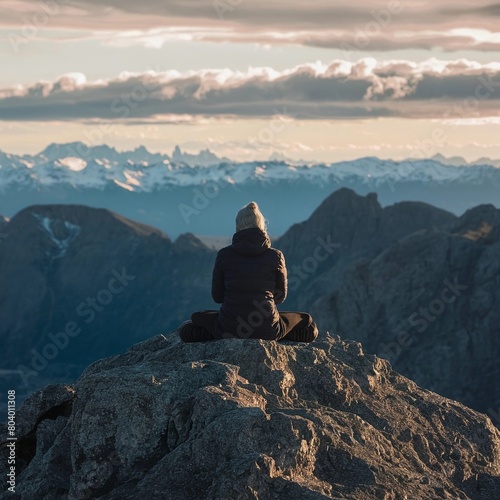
[[249, 279]]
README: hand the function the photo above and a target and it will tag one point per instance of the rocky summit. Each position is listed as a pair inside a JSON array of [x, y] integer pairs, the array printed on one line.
[[250, 419]]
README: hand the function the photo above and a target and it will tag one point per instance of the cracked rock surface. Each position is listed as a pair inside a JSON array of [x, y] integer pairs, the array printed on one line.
[[251, 419]]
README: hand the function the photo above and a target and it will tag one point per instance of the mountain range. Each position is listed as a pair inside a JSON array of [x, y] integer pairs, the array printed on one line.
[[193, 192]]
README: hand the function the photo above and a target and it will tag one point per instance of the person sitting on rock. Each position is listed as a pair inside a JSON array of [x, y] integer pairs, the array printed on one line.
[[249, 279]]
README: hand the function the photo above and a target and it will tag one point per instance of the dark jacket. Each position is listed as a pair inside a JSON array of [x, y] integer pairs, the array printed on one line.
[[249, 279]]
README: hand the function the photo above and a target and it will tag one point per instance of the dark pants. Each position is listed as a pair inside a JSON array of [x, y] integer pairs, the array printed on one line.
[[295, 326]]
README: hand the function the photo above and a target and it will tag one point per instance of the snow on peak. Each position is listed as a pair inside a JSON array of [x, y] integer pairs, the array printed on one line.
[[123, 185], [61, 233], [74, 164], [100, 167]]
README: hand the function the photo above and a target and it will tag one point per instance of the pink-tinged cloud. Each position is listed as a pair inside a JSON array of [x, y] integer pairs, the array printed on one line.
[[340, 90], [365, 25]]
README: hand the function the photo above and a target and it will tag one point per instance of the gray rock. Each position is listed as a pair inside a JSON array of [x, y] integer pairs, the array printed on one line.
[[431, 305], [53, 399], [248, 419]]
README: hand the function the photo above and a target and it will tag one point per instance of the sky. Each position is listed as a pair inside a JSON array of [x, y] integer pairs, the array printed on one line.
[[319, 80]]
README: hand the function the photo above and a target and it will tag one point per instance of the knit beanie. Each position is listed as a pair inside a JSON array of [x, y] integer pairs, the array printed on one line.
[[250, 216]]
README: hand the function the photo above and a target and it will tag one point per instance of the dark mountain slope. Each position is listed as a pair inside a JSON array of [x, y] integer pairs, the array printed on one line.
[[352, 227], [93, 281], [431, 304]]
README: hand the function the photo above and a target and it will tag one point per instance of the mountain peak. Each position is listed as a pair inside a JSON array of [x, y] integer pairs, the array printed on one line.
[[454, 161], [188, 243], [77, 149], [245, 418], [101, 219], [480, 223], [60, 231], [204, 158], [348, 201]]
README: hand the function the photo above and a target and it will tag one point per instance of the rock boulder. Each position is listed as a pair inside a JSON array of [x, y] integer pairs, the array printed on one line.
[[251, 419]]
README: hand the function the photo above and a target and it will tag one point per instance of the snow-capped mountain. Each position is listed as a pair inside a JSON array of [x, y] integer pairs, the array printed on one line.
[[78, 165], [139, 170], [192, 192]]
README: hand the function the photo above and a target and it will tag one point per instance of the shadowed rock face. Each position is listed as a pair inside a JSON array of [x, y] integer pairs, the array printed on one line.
[[247, 419], [430, 303], [350, 227], [359, 226], [54, 259]]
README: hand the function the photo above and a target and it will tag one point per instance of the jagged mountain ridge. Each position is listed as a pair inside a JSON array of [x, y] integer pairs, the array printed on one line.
[[356, 227], [360, 224], [178, 197], [431, 304], [251, 419], [139, 170], [392, 264], [459, 161]]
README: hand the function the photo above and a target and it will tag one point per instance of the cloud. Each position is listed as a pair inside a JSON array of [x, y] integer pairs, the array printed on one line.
[[365, 25], [346, 40], [339, 90], [473, 122]]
